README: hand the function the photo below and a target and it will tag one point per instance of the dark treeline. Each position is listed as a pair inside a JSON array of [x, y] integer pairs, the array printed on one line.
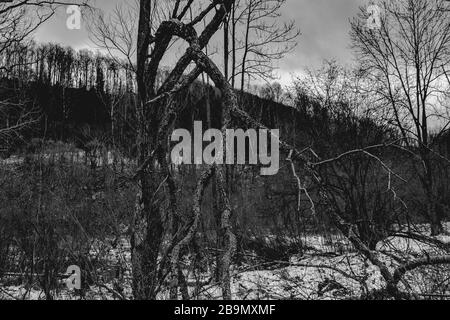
[[83, 96], [53, 64], [75, 92]]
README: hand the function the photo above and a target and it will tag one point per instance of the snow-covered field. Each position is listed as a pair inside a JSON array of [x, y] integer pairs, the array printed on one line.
[[72, 156], [320, 273], [323, 275]]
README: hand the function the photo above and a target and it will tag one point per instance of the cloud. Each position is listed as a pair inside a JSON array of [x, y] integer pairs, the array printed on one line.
[[324, 25], [325, 32]]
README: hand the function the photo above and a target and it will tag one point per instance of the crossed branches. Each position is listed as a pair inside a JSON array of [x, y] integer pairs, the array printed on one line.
[[175, 82]]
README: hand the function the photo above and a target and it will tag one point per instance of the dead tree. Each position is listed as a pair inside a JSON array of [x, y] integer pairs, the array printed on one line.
[[155, 114]]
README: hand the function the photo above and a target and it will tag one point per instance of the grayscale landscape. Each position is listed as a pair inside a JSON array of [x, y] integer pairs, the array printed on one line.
[[225, 150]]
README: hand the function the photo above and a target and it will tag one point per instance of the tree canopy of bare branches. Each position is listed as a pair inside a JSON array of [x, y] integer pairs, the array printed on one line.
[[406, 61]]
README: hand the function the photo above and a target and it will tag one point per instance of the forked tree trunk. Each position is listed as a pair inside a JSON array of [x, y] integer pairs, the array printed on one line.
[[154, 117]]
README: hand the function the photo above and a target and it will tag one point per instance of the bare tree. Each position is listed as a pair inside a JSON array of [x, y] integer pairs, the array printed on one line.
[[264, 40], [406, 60], [338, 89], [155, 112], [116, 33], [274, 92]]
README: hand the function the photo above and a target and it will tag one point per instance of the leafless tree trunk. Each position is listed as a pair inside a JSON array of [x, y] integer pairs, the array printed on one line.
[[264, 40], [155, 114]]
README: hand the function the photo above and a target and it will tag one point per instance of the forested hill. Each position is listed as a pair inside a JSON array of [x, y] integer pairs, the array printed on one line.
[[82, 96], [80, 115]]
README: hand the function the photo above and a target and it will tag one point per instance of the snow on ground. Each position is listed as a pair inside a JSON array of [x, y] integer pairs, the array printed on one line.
[[346, 275], [321, 273], [78, 156]]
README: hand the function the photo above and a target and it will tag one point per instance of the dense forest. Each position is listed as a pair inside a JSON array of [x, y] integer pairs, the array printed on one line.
[[76, 93]]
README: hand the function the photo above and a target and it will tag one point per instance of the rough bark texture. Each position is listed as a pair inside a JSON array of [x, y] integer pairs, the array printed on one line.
[[155, 115]]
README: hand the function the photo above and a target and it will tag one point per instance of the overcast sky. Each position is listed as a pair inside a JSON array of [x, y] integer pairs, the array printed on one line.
[[324, 25]]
